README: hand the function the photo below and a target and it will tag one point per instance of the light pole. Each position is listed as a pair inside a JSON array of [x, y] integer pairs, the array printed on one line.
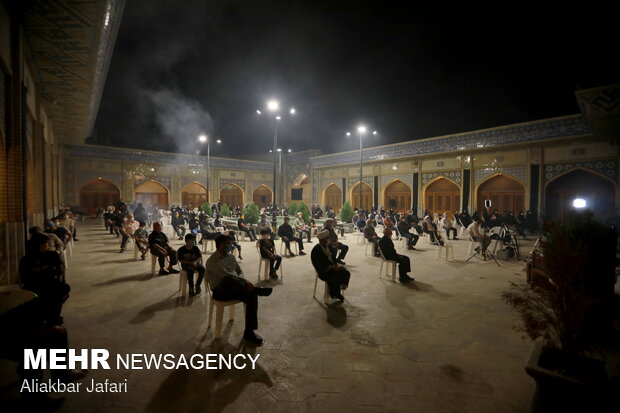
[[273, 106], [361, 130], [205, 139], [279, 150]]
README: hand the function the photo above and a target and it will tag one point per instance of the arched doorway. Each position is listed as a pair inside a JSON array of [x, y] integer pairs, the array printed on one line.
[[262, 196], [366, 196], [442, 195], [232, 196], [193, 195], [397, 196], [98, 193], [333, 197], [505, 193], [598, 192], [152, 193]]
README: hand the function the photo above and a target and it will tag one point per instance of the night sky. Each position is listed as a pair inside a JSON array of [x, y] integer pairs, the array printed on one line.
[[180, 68]]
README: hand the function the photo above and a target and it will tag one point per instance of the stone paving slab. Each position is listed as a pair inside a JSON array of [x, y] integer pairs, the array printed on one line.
[[443, 344]]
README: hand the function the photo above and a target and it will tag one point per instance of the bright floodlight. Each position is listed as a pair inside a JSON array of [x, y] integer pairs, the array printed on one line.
[[273, 105], [292, 111], [374, 132], [202, 138], [219, 141], [579, 203], [279, 149], [348, 133], [278, 117], [361, 129], [270, 150], [290, 150], [259, 112]]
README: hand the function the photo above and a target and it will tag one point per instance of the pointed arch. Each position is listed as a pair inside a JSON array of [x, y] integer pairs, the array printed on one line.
[[441, 194], [332, 197], [232, 195], [262, 196], [98, 193], [597, 190], [152, 193], [193, 195], [397, 196], [506, 193], [367, 195]]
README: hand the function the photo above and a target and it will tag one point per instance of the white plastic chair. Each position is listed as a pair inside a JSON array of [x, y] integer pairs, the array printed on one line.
[[219, 306], [153, 263], [11, 299], [448, 250], [206, 243], [325, 294], [264, 264], [387, 262], [283, 246]]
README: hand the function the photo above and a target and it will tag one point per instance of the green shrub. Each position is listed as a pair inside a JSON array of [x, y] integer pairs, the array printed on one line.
[[305, 212], [226, 210], [346, 212], [251, 213], [292, 209], [206, 208]]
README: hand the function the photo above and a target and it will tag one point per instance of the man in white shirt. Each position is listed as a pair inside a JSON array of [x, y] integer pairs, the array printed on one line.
[[227, 283], [446, 224], [474, 232], [300, 225]]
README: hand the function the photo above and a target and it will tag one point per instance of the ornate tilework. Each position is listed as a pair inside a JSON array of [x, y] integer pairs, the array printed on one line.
[[520, 133], [84, 177], [132, 155], [406, 178], [608, 168], [327, 182], [189, 179], [239, 182], [599, 101], [164, 180], [367, 179], [453, 175], [517, 172]]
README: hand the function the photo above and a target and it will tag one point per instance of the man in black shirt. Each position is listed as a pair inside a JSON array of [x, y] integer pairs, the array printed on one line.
[[243, 226], [389, 253], [403, 230], [286, 232], [178, 224], [158, 241], [190, 258]]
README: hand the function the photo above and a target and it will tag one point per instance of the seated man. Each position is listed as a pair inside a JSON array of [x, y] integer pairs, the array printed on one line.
[[234, 244], [334, 245], [190, 258], [285, 231], [42, 272], [243, 226], [446, 224], [371, 236], [474, 232], [360, 224], [403, 229], [336, 276], [141, 238], [429, 227], [300, 226], [227, 283], [267, 250], [389, 253], [263, 225], [208, 231], [54, 243], [127, 230], [178, 224], [160, 247]]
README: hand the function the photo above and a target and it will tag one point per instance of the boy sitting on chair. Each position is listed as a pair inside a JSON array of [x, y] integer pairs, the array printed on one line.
[[190, 258]]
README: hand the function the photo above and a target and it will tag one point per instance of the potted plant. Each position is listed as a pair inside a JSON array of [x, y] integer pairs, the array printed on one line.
[[568, 312]]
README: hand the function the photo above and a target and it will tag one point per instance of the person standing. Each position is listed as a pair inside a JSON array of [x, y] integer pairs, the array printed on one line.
[[335, 275]]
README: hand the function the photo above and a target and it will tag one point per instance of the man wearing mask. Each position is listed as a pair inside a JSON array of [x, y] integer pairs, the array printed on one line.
[[190, 258]]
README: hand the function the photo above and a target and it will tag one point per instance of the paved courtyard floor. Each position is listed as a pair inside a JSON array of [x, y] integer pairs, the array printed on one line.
[[442, 344]]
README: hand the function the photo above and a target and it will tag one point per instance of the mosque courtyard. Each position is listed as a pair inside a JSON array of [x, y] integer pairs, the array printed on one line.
[[443, 343]]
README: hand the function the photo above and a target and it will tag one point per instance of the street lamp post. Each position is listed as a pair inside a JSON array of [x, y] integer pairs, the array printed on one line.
[[204, 139], [274, 107], [361, 130]]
